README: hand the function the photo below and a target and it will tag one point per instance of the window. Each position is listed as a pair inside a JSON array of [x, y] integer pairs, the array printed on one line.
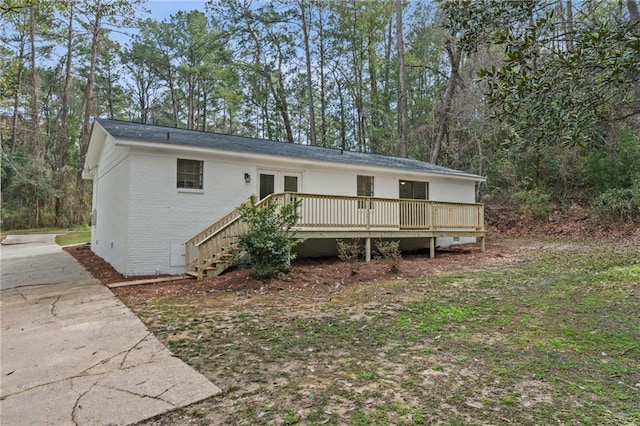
[[365, 189], [291, 184], [412, 190], [189, 174], [365, 186]]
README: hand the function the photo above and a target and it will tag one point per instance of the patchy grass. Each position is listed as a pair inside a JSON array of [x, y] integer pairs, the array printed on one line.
[[546, 336], [68, 236], [71, 238], [78, 228]]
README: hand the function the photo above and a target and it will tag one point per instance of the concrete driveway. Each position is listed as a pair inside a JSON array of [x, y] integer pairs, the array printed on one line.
[[72, 353], [37, 259]]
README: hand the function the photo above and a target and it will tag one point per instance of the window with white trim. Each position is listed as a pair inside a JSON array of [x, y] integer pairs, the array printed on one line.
[[189, 174], [365, 186], [414, 190]]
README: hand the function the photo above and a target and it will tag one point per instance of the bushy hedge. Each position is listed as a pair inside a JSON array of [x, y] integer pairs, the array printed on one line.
[[268, 241], [534, 202], [617, 205]]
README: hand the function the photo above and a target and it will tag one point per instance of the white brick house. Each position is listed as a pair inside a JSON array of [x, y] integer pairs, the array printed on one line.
[[154, 187]]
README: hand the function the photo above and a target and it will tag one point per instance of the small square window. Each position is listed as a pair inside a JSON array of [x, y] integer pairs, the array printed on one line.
[[189, 174]]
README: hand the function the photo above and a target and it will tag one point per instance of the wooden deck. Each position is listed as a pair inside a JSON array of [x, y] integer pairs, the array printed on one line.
[[326, 216]]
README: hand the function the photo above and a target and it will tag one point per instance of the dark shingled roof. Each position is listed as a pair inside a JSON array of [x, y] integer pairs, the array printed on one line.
[[172, 136]]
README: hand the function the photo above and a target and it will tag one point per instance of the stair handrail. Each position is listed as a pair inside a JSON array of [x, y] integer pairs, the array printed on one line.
[[198, 240]]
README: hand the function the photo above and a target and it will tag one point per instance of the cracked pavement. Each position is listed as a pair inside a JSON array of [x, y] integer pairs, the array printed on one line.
[[73, 354]]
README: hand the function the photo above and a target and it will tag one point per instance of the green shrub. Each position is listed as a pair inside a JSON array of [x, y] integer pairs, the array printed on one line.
[[390, 254], [268, 242], [616, 167], [617, 205], [350, 253], [533, 202]]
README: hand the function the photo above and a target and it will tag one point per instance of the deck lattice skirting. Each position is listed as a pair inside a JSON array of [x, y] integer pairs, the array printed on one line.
[[329, 216]]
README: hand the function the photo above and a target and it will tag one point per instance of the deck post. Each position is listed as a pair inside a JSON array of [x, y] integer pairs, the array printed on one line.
[[367, 249], [187, 257], [432, 247], [432, 216], [369, 207], [482, 243]]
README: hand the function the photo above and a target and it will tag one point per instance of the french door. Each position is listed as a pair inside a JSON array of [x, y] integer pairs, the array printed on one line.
[[413, 215], [272, 181]]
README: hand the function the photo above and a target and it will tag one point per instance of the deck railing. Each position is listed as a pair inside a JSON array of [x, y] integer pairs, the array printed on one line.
[[340, 213], [330, 211]]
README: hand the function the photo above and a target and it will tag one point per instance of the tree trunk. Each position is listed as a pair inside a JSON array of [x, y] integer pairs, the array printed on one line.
[[281, 101], [190, 103], [88, 104], [343, 121], [110, 105], [64, 114], [265, 119], [634, 19], [454, 59], [374, 103], [569, 26], [402, 77], [16, 99], [230, 109], [174, 100], [307, 54], [88, 107], [323, 95], [143, 100], [632, 7], [386, 92], [204, 109], [35, 87], [64, 124], [358, 99]]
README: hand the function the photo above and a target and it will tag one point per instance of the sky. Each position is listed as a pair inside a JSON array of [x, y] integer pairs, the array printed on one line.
[[161, 9]]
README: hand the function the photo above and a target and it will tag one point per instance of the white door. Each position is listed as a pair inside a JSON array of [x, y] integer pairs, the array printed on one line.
[[277, 181]]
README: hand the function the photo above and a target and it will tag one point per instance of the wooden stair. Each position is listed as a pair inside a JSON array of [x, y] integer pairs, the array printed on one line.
[[209, 252], [216, 265]]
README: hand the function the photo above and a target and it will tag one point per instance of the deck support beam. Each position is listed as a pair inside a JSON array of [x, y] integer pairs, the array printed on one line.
[[432, 247], [367, 249]]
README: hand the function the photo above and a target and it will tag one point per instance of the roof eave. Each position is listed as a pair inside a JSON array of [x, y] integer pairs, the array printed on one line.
[[252, 155]]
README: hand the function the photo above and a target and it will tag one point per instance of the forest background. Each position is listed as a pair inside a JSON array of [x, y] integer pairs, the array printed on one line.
[[541, 97]]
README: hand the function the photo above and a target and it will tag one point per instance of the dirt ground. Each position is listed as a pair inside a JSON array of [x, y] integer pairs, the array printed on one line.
[[313, 276]]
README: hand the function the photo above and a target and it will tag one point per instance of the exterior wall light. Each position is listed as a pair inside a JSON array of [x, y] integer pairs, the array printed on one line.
[[247, 177]]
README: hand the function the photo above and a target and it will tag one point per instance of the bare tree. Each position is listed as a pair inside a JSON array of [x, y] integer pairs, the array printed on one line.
[[403, 115], [306, 28], [454, 54]]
